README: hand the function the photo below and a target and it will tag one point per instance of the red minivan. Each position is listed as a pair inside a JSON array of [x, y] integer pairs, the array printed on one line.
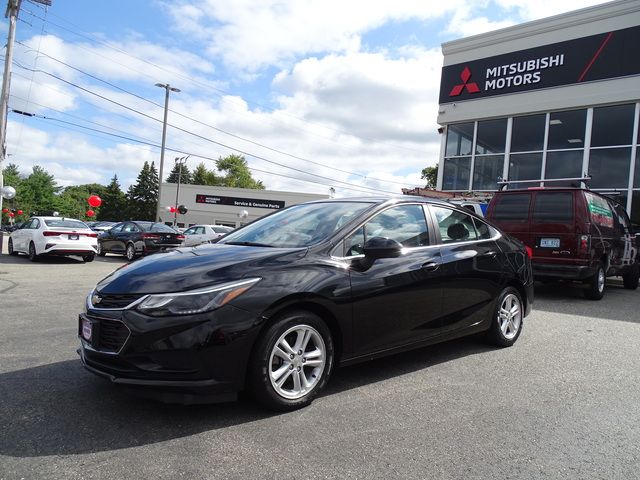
[[574, 234]]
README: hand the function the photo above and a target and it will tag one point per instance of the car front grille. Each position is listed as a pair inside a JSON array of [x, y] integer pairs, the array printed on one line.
[[112, 335], [113, 301]]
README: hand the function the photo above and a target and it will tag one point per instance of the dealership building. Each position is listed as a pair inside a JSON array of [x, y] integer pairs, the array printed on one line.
[[223, 205], [555, 99]]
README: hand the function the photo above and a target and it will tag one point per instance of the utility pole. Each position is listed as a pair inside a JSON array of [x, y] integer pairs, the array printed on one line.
[[168, 88], [13, 7], [180, 161]]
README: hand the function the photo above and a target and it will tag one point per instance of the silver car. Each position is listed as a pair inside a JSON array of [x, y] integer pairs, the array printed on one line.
[[198, 234]]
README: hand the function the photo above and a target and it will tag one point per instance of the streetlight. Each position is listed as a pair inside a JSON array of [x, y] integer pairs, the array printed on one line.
[[167, 89], [180, 161]]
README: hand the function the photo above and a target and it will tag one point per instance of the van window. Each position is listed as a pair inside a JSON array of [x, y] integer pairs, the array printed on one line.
[[553, 207], [599, 210], [512, 208]]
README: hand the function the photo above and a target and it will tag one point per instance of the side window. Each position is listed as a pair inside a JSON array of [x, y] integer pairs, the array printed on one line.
[[622, 216], [128, 228], [405, 223], [117, 228], [512, 207], [190, 231], [485, 232], [28, 224], [200, 230], [599, 210], [553, 207], [454, 226], [35, 223]]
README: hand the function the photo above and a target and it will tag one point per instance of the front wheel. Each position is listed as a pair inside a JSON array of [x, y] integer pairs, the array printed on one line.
[[630, 279], [595, 288], [292, 362], [506, 324]]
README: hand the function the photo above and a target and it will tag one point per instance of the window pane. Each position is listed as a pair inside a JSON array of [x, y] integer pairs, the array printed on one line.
[[612, 125], [527, 133], [353, 244], [525, 166], [484, 230], [636, 175], [553, 207], [454, 226], [609, 168], [635, 210], [456, 173], [459, 139], [405, 224], [492, 136], [486, 172], [512, 208], [563, 165], [566, 129]]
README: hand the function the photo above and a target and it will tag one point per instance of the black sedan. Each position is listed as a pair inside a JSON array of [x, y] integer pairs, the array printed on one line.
[[276, 305], [138, 238]]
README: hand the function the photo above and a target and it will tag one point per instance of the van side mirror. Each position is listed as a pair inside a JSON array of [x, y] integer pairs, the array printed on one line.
[[381, 247]]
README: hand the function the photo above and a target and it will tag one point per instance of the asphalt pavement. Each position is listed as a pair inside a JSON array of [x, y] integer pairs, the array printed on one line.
[[562, 403]]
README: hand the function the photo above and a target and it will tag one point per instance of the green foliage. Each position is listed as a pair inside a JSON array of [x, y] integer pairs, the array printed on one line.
[[237, 173], [203, 176], [11, 178], [72, 202], [142, 197], [114, 202], [37, 192], [430, 174], [185, 177]]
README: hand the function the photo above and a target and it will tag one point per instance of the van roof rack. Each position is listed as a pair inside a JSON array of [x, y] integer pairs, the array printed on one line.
[[503, 184]]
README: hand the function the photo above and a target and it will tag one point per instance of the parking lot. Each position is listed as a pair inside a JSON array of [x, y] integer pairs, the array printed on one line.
[[562, 403]]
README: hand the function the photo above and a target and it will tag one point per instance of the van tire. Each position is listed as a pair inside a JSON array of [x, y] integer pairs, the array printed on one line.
[[596, 286], [630, 279]]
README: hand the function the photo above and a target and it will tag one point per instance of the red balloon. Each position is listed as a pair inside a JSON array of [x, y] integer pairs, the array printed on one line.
[[90, 213], [95, 201], [20, 212], [11, 214], [5, 210], [173, 209]]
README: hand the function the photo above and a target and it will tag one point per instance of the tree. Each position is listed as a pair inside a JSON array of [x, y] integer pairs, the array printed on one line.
[[237, 173], [11, 178], [203, 176], [72, 202], [142, 197], [114, 202], [430, 174], [37, 192], [185, 178]]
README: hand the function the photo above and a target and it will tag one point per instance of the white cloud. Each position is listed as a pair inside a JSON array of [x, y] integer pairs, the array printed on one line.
[[535, 9]]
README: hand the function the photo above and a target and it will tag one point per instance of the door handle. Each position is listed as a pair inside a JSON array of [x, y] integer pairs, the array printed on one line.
[[490, 254], [430, 266]]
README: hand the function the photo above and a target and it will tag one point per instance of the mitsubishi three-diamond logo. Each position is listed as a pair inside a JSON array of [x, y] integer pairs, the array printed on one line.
[[472, 87]]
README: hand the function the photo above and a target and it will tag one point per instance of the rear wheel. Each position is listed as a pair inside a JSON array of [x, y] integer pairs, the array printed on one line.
[[506, 324], [630, 279], [10, 247], [99, 250], [130, 252], [32, 252], [595, 288], [292, 362]]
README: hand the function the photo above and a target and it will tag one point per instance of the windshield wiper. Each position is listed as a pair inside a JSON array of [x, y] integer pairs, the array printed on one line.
[[248, 244]]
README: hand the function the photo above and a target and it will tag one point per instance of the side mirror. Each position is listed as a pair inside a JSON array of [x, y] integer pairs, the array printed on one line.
[[381, 247]]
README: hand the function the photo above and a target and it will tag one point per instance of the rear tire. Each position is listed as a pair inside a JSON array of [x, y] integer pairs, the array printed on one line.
[[130, 252], [10, 247], [507, 320], [630, 279], [32, 252], [291, 362], [596, 286], [89, 258]]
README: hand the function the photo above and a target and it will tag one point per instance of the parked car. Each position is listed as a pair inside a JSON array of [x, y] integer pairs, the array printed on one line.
[[574, 233], [135, 238], [102, 226], [53, 236], [198, 234], [277, 304]]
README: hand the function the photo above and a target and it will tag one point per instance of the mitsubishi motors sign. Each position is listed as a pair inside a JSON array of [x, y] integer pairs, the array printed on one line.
[[587, 59]]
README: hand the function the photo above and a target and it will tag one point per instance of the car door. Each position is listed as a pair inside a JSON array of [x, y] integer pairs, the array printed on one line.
[[19, 236], [471, 267], [396, 301], [109, 237], [189, 235]]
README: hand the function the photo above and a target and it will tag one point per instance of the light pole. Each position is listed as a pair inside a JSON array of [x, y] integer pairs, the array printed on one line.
[[180, 161], [167, 89]]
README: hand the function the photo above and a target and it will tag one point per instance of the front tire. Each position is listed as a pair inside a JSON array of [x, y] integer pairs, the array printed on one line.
[[10, 248], [631, 278], [33, 256], [292, 362], [100, 250], [507, 321], [130, 252], [595, 288]]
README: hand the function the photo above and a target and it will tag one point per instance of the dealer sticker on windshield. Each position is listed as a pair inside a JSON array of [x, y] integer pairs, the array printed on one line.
[[550, 243]]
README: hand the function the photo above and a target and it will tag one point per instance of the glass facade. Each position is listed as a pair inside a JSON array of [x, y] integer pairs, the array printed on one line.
[[602, 141]]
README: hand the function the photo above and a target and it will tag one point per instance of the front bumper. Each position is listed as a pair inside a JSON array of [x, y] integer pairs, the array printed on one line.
[[190, 359]]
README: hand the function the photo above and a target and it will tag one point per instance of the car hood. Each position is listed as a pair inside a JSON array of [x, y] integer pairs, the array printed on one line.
[[197, 267]]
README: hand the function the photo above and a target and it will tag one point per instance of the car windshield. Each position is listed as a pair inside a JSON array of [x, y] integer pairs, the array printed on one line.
[[65, 223], [298, 226]]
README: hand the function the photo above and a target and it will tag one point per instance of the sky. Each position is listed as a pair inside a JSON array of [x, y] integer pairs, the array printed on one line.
[[316, 94]]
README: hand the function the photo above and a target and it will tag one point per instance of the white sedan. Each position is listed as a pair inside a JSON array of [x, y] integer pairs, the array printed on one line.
[[198, 234], [54, 236]]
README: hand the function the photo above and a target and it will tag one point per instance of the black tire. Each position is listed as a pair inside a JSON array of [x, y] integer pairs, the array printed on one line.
[[630, 279], [10, 247], [596, 286], [89, 258], [32, 252], [130, 252], [264, 360], [100, 250], [507, 320]]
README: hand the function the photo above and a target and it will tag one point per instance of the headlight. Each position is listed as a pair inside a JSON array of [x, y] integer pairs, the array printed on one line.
[[194, 301]]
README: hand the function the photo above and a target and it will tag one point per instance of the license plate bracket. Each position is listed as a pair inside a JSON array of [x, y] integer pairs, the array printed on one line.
[[549, 243], [73, 236], [86, 329]]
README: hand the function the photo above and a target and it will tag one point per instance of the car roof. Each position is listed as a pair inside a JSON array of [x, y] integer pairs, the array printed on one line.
[[391, 199]]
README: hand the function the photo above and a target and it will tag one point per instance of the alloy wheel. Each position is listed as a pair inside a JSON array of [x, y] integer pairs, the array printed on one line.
[[130, 252], [601, 280], [510, 316], [297, 362]]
